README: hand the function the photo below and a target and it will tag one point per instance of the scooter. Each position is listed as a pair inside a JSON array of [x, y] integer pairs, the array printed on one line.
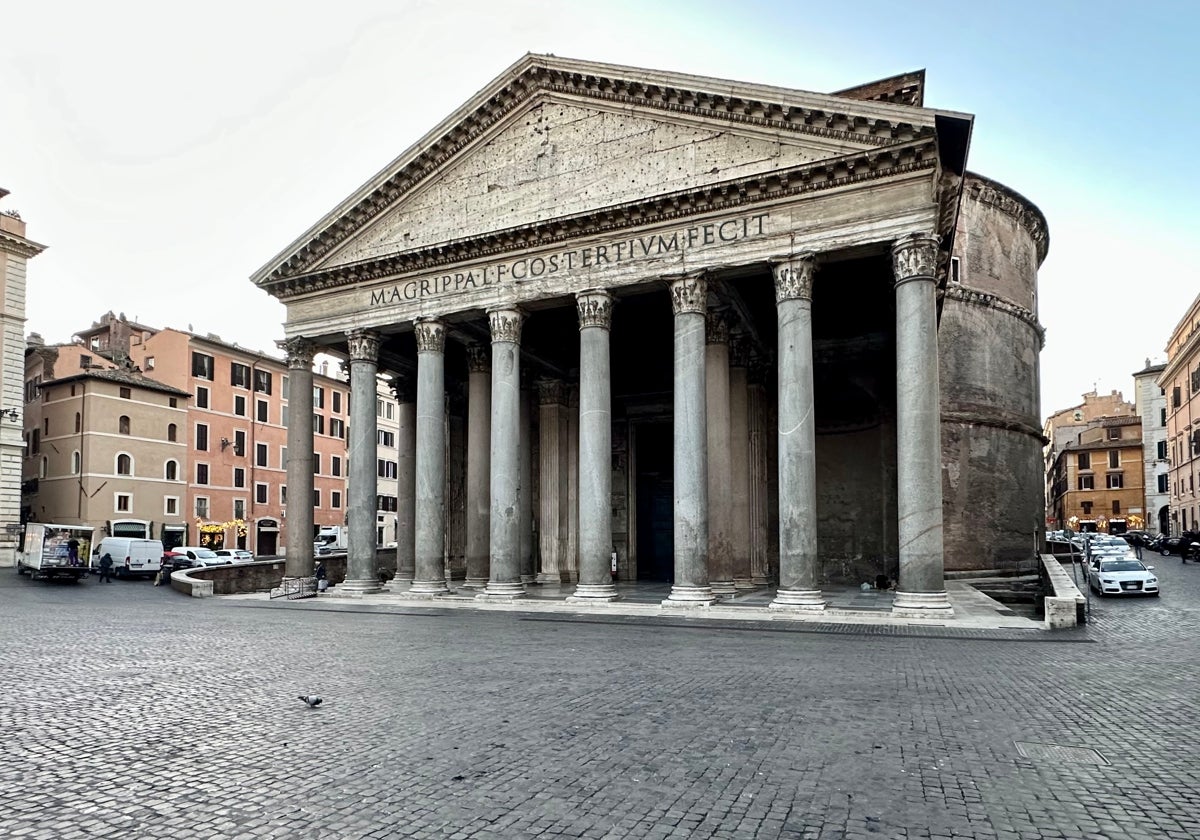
[[1191, 552]]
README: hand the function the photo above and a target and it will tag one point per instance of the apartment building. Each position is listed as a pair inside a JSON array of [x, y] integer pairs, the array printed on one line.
[[1151, 401], [1180, 381], [1096, 480]]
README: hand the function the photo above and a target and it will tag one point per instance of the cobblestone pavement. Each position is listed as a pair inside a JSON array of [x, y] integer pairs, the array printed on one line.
[[132, 711]]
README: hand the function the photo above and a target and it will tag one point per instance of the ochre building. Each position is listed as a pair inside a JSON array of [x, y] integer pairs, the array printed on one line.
[[728, 334]]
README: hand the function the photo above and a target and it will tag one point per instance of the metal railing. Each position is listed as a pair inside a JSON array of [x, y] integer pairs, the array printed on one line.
[[293, 588]]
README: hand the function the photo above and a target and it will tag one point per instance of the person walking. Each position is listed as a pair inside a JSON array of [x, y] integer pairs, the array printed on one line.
[[73, 551], [106, 564], [322, 576], [163, 578]]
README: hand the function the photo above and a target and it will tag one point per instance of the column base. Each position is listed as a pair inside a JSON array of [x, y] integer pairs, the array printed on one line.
[[922, 605], [743, 583], [428, 588], [807, 600], [760, 580], [690, 596], [475, 583], [588, 593], [403, 577], [548, 577], [723, 587], [361, 586], [528, 579], [502, 591]]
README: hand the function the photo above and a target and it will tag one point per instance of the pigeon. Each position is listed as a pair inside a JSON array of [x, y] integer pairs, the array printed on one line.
[[311, 699]]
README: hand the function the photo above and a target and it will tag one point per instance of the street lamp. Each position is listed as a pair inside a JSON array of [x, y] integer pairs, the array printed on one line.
[[11, 413]]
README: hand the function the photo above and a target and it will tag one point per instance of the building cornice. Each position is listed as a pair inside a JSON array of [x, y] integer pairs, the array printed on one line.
[[974, 297], [1013, 204], [738, 193], [19, 245]]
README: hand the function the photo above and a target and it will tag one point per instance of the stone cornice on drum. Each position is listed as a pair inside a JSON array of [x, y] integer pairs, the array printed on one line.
[[1009, 201], [842, 171], [876, 125], [975, 297]]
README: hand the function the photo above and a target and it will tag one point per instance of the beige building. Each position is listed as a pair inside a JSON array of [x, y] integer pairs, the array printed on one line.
[[1097, 479], [1181, 382], [1064, 427], [15, 251]]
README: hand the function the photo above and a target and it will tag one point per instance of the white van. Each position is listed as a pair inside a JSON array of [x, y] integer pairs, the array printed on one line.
[[131, 557]]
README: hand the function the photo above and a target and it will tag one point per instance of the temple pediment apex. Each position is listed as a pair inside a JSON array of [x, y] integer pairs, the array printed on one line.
[[553, 137]]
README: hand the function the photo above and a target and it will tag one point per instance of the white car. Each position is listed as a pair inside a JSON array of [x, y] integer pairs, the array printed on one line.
[[202, 556], [237, 555], [1112, 575]]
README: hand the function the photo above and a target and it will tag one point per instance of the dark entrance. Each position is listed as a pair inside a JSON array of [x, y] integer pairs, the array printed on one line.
[[655, 501]]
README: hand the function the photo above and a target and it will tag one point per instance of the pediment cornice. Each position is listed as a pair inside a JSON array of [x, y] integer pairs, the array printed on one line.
[[796, 113], [741, 193]]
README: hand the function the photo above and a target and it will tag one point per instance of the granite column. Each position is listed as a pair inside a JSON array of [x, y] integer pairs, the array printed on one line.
[[504, 580], [363, 483], [429, 525], [299, 538]]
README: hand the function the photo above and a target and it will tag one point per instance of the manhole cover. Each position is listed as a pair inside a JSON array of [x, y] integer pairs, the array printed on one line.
[[1060, 754]]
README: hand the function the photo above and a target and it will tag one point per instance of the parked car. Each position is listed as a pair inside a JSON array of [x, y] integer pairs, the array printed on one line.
[[1177, 544], [238, 555], [200, 556], [1122, 576], [321, 549]]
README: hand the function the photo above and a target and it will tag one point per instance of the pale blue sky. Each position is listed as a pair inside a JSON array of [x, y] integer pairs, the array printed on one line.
[[164, 155]]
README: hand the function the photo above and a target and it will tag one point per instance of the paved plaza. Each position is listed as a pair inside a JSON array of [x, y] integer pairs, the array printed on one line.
[[133, 711]]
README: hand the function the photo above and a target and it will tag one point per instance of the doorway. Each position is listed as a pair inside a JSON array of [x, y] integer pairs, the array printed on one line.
[[654, 491]]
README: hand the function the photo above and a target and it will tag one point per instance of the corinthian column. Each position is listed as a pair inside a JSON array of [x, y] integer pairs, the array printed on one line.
[[300, 459], [689, 301], [798, 589], [720, 466], [921, 589], [552, 477], [739, 459], [429, 525], [595, 448], [360, 552], [504, 580], [479, 418], [528, 563], [406, 476]]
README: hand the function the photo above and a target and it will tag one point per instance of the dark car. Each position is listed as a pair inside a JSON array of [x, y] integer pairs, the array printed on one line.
[[1137, 538], [1179, 544], [178, 560]]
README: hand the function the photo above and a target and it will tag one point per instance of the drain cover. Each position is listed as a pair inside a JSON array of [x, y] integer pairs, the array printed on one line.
[[1060, 754]]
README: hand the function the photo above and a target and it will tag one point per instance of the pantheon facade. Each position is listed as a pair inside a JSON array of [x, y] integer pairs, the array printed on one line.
[[712, 333]]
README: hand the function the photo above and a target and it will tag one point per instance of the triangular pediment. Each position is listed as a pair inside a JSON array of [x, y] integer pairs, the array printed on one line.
[[554, 138]]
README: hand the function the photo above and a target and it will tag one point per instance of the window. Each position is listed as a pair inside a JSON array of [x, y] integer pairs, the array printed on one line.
[[283, 494], [260, 493], [172, 432], [1115, 481], [44, 468], [125, 393], [335, 465], [335, 499], [201, 437], [1114, 433], [239, 405], [318, 424], [46, 426], [386, 438], [124, 464], [283, 457], [239, 477], [1175, 397], [262, 381], [387, 410], [85, 362], [1116, 506], [1087, 482], [385, 503], [378, 408], [337, 428], [386, 469], [1162, 417], [337, 401], [1163, 485], [202, 366], [202, 507], [239, 375], [1114, 459], [261, 411], [35, 445], [260, 454], [124, 502], [316, 463], [1084, 460], [316, 498], [283, 386], [149, 363], [283, 415], [954, 270], [201, 397], [1162, 450], [171, 505], [202, 473], [123, 424], [1195, 380], [1087, 508], [239, 508], [173, 402], [78, 422], [76, 462], [318, 397], [171, 470], [239, 442]]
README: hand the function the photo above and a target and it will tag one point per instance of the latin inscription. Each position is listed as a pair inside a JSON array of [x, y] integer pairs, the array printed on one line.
[[575, 260]]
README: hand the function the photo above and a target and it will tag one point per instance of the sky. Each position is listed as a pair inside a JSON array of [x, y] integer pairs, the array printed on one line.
[[164, 152]]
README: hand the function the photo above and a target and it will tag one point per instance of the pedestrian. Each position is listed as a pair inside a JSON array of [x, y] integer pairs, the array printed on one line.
[[322, 576], [73, 551], [164, 572], [1137, 547], [106, 564]]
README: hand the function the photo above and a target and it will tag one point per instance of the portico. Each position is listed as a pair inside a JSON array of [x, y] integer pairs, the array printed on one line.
[[690, 325]]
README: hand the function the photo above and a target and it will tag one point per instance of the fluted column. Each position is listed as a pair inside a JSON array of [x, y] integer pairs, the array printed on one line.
[[739, 459], [798, 567], [528, 562], [406, 476], [921, 589], [720, 467], [595, 448], [504, 579], [479, 419], [364, 478], [689, 301], [429, 525], [299, 511], [552, 398]]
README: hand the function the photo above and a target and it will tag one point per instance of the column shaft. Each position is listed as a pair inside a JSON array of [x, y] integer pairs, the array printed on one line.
[[551, 397], [739, 457], [759, 514], [361, 551], [720, 466], [479, 419], [528, 562], [406, 490], [299, 513], [504, 579], [429, 525]]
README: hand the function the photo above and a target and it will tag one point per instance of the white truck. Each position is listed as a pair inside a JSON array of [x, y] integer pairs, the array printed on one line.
[[55, 551], [329, 539]]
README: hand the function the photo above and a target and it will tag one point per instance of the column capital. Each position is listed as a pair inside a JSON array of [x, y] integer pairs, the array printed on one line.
[[551, 392], [363, 345], [794, 276], [595, 308], [915, 255], [716, 327], [431, 335], [404, 388], [506, 323], [689, 293], [300, 353], [479, 358]]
